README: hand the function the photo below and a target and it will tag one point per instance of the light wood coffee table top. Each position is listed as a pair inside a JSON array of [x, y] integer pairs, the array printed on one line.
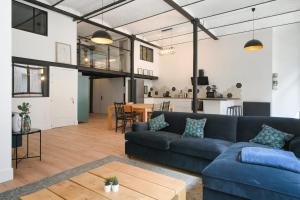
[[135, 184]]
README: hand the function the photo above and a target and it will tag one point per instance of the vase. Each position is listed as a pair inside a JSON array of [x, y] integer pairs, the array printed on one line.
[[115, 188], [26, 124]]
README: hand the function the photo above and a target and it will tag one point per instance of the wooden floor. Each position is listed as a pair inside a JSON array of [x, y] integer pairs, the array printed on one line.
[[66, 148]]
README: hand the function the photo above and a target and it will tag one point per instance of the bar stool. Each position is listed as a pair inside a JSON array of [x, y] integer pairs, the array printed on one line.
[[234, 110]]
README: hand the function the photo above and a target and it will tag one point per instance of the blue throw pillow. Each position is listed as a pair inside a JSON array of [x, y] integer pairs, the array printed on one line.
[[194, 128], [158, 123], [272, 137]]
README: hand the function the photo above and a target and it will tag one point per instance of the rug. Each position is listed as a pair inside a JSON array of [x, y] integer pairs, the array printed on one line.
[[193, 182]]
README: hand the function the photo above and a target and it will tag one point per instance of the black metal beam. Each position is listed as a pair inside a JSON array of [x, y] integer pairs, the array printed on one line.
[[195, 63], [187, 15], [103, 8], [132, 98], [118, 6], [76, 17], [231, 24], [209, 16], [58, 3]]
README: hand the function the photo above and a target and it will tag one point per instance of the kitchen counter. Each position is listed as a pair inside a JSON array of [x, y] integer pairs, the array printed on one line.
[[210, 105]]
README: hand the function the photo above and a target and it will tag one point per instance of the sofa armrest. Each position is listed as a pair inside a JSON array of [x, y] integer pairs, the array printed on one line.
[[140, 126], [294, 146]]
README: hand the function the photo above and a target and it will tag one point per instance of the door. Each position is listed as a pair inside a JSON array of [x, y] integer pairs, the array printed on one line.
[[63, 95], [83, 98]]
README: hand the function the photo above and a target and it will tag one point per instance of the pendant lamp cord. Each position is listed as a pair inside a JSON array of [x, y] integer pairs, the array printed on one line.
[[253, 10]]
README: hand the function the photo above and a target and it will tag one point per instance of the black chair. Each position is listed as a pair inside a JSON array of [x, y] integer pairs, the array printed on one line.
[[124, 117], [165, 106], [235, 111]]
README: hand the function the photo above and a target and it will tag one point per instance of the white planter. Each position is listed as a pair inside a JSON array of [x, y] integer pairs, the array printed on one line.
[[107, 188], [115, 188]]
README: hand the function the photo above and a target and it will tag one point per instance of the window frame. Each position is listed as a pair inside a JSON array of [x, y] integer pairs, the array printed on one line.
[[146, 54], [45, 87], [34, 9]]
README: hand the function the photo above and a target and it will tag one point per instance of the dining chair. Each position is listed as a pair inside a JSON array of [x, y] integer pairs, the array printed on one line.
[[155, 107], [120, 115], [165, 106]]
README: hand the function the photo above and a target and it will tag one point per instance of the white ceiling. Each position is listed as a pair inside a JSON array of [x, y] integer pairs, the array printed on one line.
[[221, 17]]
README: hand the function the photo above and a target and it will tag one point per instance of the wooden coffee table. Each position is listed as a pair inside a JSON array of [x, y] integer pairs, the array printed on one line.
[[135, 184]]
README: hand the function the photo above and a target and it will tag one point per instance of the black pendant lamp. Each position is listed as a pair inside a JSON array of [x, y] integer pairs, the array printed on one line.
[[254, 44], [101, 36]]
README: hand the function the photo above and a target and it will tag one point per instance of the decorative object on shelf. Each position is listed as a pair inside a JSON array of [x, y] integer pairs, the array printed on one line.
[[63, 53], [25, 118], [254, 44], [229, 95], [115, 184], [145, 72], [214, 88], [102, 36], [167, 94], [149, 94], [139, 70], [156, 93], [239, 85], [107, 185], [145, 89], [275, 81], [208, 88], [173, 89], [151, 89], [190, 90]]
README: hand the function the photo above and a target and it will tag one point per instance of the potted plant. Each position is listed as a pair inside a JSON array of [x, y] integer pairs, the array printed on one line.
[[115, 184], [25, 118], [107, 185]]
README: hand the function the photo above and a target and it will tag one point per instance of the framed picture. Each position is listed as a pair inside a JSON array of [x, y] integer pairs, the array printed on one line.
[[145, 72], [140, 71], [63, 53]]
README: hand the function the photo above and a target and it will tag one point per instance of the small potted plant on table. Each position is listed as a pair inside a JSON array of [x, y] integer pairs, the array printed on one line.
[[115, 184], [107, 185]]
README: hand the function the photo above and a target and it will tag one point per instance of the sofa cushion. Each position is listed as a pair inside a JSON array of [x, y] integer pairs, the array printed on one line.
[[158, 140], [272, 137], [206, 148], [249, 127], [194, 128], [217, 126], [227, 174], [158, 123]]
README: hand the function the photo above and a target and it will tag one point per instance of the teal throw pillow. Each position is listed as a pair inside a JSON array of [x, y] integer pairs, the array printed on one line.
[[272, 137], [194, 128], [158, 123]]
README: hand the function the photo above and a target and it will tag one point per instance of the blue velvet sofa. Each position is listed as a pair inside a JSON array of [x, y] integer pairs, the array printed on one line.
[[215, 156]]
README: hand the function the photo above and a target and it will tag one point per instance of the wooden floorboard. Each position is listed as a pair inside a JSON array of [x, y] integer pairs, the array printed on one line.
[[66, 148]]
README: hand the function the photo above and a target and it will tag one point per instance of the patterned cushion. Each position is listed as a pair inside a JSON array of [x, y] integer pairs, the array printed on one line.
[[272, 137], [158, 123], [194, 128]]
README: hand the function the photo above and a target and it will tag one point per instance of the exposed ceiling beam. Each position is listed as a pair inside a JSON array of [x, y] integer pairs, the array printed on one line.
[[240, 32], [103, 8], [189, 4], [187, 15], [76, 17], [205, 17], [231, 24], [58, 3], [101, 13]]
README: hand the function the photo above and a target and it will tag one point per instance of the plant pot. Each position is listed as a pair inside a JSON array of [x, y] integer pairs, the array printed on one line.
[[115, 188], [107, 188]]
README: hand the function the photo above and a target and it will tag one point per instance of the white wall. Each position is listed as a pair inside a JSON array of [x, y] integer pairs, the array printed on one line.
[[111, 91], [6, 171], [28, 45], [60, 29], [225, 63], [286, 62], [138, 63]]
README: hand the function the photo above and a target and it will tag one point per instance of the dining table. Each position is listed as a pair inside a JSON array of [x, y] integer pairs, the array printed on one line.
[[142, 108]]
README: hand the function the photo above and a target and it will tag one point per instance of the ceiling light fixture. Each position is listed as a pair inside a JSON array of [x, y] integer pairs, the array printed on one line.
[[254, 44], [101, 36], [170, 49]]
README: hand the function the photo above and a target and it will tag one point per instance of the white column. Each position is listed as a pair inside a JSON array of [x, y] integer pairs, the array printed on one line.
[[6, 171]]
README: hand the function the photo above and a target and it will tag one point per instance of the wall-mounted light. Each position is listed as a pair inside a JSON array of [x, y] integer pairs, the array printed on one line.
[[43, 78]]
